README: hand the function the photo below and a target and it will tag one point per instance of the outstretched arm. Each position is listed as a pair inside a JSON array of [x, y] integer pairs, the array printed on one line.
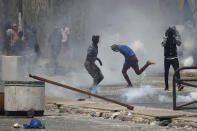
[[99, 61], [163, 43], [178, 40]]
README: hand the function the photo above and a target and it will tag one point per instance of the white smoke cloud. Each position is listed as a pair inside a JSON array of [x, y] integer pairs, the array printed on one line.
[[189, 61], [165, 99], [138, 93], [190, 97], [123, 24], [72, 79], [137, 46], [180, 28], [146, 94], [180, 98]]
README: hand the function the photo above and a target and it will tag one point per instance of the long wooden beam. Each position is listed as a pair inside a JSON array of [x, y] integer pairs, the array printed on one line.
[[81, 91]]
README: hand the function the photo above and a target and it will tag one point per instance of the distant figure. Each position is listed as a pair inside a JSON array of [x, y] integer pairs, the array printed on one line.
[[36, 44], [130, 61], [19, 47], [170, 43], [32, 45], [65, 33], [55, 42], [66, 50], [90, 65], [12, 34], [7, 38]]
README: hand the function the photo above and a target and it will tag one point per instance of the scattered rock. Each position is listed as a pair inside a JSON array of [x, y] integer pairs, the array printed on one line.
[[129, 114], [56, 110], [153, 123], [171, 126], [93, 115], [114, 115], [16, 125], [165, 122], [59, 105], [81, 99], [99, 114], [140, 120]]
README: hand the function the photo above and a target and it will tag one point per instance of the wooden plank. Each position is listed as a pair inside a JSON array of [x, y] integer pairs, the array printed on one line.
[[81, 91]]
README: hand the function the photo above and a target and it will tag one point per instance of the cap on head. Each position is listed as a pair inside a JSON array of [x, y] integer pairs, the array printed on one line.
[[95, 38], [114, 47]]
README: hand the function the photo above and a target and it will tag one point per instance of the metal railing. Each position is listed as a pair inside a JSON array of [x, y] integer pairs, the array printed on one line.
[[186, 83]]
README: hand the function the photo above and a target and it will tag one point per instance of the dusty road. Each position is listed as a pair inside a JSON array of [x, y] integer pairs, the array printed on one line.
[[72, 122]]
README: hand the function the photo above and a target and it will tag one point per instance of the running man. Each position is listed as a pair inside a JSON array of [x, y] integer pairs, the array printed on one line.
[[130, 61]]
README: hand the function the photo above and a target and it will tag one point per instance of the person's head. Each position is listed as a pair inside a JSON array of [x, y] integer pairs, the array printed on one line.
[[115, 47], [14, 27], [95, 39], [66, 29], [171, 32]]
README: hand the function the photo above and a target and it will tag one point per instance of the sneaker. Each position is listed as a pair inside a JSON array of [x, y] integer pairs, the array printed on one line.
[[180, 87], [93, 89], [166, 89], [150, 62]]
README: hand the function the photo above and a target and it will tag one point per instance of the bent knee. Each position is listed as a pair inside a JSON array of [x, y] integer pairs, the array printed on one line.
[[101, 77], [138, 73], [124, 72]]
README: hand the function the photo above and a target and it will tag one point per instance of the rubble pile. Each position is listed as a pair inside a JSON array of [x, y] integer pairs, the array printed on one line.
[[123, 115]]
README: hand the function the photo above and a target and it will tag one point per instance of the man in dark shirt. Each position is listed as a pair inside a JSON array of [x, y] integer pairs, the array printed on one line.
[[90, 65], [171, 40], [130, 61]]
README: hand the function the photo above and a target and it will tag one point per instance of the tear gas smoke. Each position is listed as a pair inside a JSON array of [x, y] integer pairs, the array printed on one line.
[[138, 23], [134, 94], [190, 97], [146, 94], [180, 28], [140, 50], [180, 98], [189, 61], [165, 99], [138, 47]]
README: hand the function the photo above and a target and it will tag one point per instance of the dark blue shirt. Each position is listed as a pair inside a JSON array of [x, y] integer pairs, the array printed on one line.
[[126, 51]]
